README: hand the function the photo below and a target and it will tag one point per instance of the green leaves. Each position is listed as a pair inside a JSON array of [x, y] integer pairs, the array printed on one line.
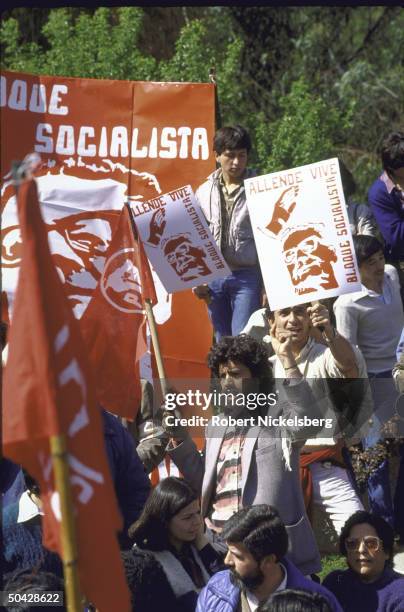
[[103, 44], [22, 58], [303, 134], [308, 82]]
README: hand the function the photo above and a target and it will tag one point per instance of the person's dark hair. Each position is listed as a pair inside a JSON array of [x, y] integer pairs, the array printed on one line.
[[148, 584], [247, 351], [31, 483], [168, 498], [26, 581], [392, 151], [270, 314], [347, 179], [365, 247], [295, 600], [230, 138], [382, 528], [260, 529]]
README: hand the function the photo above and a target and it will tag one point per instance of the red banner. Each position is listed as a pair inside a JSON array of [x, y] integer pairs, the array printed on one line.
[[47, 392], [101, 143], [111, 324]]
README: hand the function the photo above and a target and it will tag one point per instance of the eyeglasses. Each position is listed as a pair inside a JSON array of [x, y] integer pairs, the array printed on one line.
[[372, 543]]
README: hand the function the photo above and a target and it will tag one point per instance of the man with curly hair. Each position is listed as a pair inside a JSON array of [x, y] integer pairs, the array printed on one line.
[[245, 462]]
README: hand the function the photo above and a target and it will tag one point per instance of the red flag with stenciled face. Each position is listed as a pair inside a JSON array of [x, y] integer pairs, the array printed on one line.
[[47, 392], [114, 324]]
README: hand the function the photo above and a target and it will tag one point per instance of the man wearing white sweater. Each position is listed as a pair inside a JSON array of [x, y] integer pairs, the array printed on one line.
[[373, 320], [325, 479]]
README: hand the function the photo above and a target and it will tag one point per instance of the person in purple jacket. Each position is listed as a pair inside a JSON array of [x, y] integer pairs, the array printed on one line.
[[257, 543], [386, 200], [369, 583]]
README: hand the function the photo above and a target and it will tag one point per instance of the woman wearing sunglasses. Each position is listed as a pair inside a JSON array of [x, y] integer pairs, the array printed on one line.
[[369, 583]]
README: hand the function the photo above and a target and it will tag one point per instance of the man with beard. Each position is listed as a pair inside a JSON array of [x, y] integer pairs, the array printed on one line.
[[257, 543], [251, 463]]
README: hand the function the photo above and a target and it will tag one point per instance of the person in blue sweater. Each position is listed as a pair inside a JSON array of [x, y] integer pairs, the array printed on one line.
[[131, 483], [257, 543], [21, 520], [369, 583], [12, 483], [386, 200], [22, 535]]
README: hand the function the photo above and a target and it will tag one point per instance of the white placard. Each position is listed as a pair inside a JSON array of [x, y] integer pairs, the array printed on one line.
[[177, 240], [301, 229]]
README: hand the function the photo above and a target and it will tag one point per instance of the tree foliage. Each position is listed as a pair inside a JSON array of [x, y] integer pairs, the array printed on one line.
[[302, 135], [307, 82]]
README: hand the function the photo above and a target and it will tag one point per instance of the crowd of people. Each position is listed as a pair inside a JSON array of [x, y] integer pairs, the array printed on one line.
[[235, 531]]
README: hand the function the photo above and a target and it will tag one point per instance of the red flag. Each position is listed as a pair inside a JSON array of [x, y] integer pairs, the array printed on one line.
[[47, 392], [113, 324]]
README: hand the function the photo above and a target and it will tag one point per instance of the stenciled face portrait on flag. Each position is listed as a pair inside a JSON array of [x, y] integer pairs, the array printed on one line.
[[102, 143], [48, 393], [177, 240], [300, 221]]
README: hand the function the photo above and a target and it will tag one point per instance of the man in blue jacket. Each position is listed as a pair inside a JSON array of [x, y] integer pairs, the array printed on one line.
[[257, 544]]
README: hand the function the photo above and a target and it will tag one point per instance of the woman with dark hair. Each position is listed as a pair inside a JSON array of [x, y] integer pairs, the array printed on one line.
[[171, 528], [369, 583]]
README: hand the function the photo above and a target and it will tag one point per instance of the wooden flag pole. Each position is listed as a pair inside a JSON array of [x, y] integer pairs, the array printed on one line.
[[68, 535], [23, 171], [151, 321], [156, 346]]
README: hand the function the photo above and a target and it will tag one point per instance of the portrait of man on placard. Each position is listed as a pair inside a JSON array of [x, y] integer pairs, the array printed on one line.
[[309, 259], [186, 260]]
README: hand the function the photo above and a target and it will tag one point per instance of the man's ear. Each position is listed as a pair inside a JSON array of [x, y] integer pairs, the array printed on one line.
[[267, 563]]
